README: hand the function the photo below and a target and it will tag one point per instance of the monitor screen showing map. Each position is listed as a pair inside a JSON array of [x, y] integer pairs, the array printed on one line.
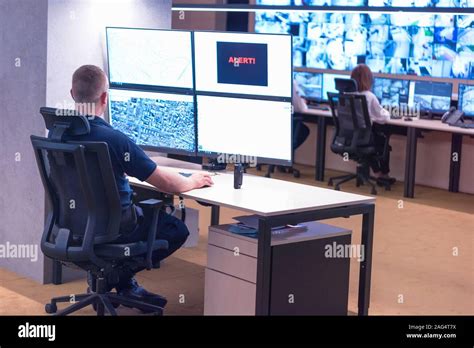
[[144, 57], [156, 120]]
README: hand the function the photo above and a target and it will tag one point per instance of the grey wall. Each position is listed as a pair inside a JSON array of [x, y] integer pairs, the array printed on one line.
[[23, 25], [76, 35], [52, 38], [200, 20]]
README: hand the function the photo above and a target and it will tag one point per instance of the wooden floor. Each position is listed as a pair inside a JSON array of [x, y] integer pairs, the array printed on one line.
[[416, 269]]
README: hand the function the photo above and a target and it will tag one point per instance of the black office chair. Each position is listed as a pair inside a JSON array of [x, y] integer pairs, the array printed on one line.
[[300, 134], [353, 137], [85, 215]]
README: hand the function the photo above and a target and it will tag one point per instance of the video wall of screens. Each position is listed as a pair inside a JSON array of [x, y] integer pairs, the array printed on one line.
[[151, 87], [243, 85], [374, 3], [163, 83], [419, 44], [466, 99]]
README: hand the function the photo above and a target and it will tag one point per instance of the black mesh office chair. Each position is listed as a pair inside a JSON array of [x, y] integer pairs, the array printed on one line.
[[85, 215], [353, 137]]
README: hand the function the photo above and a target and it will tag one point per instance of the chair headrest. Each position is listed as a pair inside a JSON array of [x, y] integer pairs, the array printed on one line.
[[346, 85], [60, 122]]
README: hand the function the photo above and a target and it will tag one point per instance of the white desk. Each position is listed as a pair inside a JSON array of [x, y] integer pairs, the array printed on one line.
[[413, 128], [278, 203]]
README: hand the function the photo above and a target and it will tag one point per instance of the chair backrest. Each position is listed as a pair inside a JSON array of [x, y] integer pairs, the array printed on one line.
[[84, 203], [351, 118]]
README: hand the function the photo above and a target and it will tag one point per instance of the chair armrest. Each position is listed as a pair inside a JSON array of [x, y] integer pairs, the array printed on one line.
[[155, 205]]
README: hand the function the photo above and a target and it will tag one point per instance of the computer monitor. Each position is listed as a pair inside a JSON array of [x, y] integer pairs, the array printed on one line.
[[310, 85], [466, 99], [144, 58], [329, 84], [391, 92], [430, 96], [158, 121], [246, 64], [237, 126]]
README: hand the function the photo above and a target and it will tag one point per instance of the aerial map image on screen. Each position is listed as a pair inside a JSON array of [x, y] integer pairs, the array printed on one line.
[[154, 119]]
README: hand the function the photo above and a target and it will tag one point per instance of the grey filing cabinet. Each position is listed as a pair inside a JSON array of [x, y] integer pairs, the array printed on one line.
[[303, 281]]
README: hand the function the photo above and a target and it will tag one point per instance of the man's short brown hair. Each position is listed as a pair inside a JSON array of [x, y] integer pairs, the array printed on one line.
[[88, 84], [364, 77]]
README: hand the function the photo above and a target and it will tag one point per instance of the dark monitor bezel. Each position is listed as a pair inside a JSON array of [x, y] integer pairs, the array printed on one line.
[[435, 112], [460, 99], [260, 160], [312, 99], [259, 96], [126, 85], [162, 149]]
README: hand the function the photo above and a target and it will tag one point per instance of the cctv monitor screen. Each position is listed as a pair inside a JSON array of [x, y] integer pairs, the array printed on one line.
[[431, 45], [239, 126], [310, 85], [329, 83], [391, 92], [466, 99], [149, 58], [431, 96], [243, 64], [157, 120]]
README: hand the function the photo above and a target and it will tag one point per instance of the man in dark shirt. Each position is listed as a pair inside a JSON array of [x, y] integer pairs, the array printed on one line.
[[90, 93]]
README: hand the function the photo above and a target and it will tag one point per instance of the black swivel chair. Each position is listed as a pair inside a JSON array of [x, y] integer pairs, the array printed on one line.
[[85, 215], [353, 137]]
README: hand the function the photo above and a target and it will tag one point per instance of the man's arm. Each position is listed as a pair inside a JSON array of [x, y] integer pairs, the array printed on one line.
[[172, 182]]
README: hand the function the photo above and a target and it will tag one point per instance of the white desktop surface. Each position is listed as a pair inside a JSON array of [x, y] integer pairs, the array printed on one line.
[[267, 197], [435, 125]]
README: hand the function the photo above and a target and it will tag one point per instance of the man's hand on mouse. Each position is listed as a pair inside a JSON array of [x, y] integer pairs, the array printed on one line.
[[201, 180]]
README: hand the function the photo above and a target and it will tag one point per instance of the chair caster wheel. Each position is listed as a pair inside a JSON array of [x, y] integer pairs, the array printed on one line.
[[337, 188], [50, 308], [373, 192], [267, 176], [330, 183], [388, 189], [296, 175]]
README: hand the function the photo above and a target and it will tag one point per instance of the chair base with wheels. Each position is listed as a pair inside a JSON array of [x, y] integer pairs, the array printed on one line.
[[102, 301], [362, 177]]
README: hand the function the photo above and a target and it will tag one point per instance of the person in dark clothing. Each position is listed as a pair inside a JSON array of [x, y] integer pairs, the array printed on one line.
[[90, 93]]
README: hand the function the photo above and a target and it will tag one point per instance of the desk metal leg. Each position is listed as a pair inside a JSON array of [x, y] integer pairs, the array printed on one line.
[[455, 167], [57, 272], [321, 148], [365, 272], [410, 162], [262, 306], [215, 212]]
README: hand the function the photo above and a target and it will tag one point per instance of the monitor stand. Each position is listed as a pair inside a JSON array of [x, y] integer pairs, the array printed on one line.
[[184, 158], [214, 166]]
